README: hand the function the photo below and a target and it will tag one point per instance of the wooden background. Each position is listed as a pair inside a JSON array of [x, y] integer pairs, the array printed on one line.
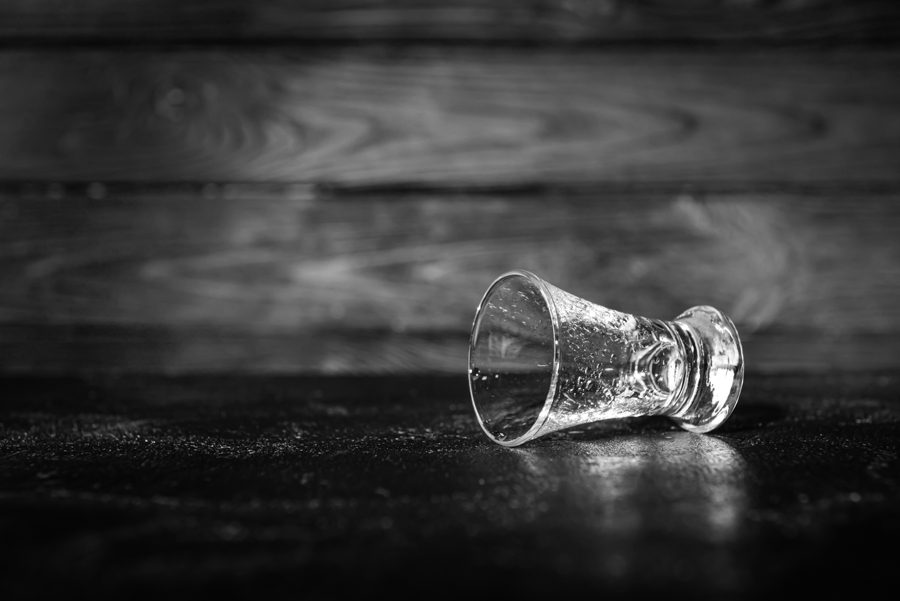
[[329, 187]]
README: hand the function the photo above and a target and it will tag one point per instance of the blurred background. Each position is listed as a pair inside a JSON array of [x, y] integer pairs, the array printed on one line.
[[328, 187]]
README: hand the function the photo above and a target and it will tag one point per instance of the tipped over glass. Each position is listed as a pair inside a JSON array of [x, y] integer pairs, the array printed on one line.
[[542, 360]]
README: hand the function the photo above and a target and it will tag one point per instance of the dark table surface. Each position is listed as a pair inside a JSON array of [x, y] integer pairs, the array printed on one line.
[[330, 487]]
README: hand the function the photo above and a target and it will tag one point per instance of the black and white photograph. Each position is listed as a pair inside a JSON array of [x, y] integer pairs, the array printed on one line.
[[449, 299]]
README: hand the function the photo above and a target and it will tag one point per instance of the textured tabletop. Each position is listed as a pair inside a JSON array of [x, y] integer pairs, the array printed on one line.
[[324, 487]]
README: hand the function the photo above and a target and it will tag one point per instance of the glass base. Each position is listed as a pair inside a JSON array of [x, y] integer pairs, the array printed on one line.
[[718, 375]]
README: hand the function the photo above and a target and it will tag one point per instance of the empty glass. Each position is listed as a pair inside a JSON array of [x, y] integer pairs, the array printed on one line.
[[541, 359]]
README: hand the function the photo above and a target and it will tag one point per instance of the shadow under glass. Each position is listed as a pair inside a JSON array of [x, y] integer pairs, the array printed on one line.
[[511, 357]]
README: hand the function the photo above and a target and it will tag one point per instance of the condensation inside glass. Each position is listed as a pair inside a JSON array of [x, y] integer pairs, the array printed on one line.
[[511, 364], [612, 364]]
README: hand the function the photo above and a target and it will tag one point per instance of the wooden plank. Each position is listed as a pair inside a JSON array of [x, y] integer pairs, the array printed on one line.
[[451, 117], [544, 21], [165, 281]]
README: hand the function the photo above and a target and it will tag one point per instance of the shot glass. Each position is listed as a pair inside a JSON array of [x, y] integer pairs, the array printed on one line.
[[542, 360]]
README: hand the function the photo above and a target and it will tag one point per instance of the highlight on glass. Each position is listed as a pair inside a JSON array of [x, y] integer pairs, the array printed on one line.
[[542, 360]]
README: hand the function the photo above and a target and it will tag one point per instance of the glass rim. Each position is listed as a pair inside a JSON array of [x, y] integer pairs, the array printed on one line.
[[544, 413]]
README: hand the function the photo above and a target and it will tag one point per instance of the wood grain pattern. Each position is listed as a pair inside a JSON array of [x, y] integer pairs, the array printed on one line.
[[545, 21], [162, 280], [451, 117]]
